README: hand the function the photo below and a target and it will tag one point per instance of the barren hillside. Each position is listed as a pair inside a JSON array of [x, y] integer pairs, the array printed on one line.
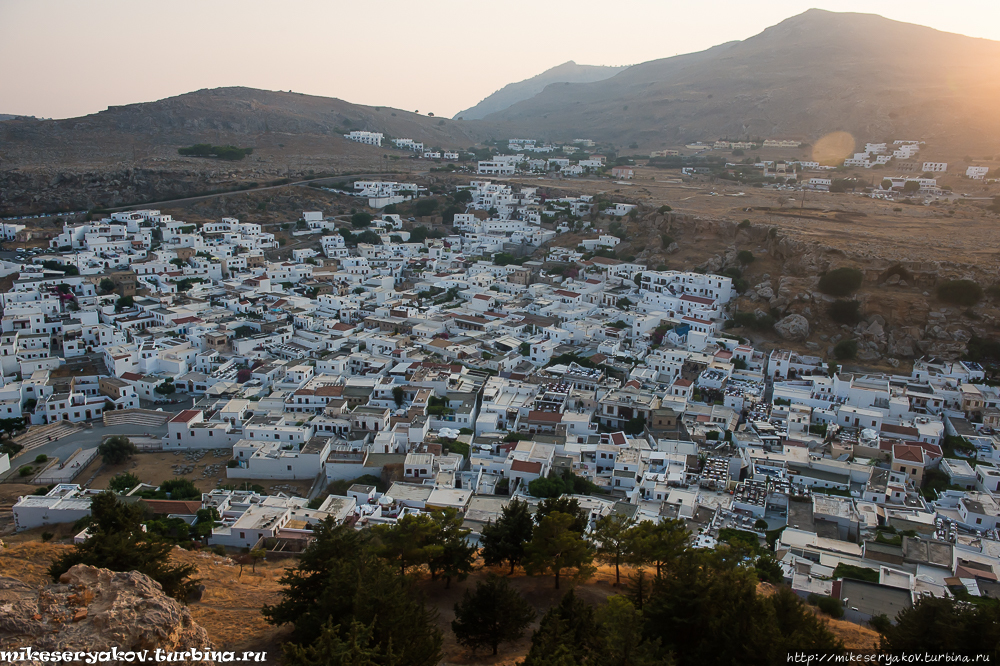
[[805, 77]]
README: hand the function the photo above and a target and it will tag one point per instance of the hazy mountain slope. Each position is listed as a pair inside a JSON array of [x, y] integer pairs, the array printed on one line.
[[512, 93], [240, 116], [809, 75]]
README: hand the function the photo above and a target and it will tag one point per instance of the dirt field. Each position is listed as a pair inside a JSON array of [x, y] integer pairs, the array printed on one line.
[[206, 469], [851, 222]]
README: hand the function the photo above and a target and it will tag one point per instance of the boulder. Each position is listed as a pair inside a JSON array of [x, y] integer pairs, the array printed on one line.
[[93, 609], [793, 327]]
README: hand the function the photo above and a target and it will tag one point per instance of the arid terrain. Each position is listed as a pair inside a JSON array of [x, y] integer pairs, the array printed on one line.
[[229, 609]]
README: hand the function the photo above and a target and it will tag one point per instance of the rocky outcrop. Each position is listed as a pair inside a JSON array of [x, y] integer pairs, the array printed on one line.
[[793, 327], [93, 609]]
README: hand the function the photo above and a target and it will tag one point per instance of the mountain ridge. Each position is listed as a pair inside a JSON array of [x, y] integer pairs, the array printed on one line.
[[808, 75], [568, 72]]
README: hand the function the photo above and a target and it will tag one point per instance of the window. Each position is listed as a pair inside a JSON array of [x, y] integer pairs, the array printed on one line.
[[289, 468], [243, 535]]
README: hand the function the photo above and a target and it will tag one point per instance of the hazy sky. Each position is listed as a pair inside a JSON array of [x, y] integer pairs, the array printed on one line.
[[65, 58]]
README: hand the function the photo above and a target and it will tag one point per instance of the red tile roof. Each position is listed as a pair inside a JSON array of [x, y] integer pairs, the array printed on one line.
[[186, 416], [525, 466], [130, 377], [697, 299], [908, 453]]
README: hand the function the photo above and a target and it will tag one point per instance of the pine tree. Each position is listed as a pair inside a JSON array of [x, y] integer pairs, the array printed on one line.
[[118, 542], [567, 505], [658, 543], [567, 629], [495, 613], [450, 554], [407, 540], [504, 541], [555, 545], [615, 538], [621, 630], [340, 582]]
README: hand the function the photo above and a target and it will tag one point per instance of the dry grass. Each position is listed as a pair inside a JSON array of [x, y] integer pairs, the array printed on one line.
[[230, 607], [157, 467]]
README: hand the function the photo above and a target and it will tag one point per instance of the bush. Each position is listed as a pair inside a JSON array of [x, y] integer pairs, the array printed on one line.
[[47, 536], [219, 550], [832, 607], [856, 572], [745, 224], [845, 312], [841, 281], [845, 350], [359, 220], [745, 257], [27, 470], [960, 292], [41, 457]]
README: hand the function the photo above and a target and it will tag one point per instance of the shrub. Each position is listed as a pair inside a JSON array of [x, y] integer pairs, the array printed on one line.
[[745, 257], [832, 607], [844, 312], [26, 470], [745, 224], [841, 281], [219, 550], [41, 457], [960, 292], [845, 350], [47, 536]]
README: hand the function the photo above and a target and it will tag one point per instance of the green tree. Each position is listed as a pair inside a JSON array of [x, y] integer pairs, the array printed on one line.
[[106, 285], [340, 581], [745, 257], [568, 634], [166, 388], [941, 625], [333, 647], [124, 303], [398, 395], [911, 186], [567, 505], [12, 425], [659, 543], [556, 546], [622, 633], [118, 542], [360, 220], [615, 538], [116, 450], [495, 613], [504, 541], [449, 554], [706, 594], [405, 542], [123, 482], [256, 555]]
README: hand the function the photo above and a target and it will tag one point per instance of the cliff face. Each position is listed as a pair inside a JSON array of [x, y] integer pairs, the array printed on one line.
[[95, 610]]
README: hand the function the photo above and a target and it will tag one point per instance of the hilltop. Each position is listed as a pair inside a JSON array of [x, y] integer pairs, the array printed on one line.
[[512, 93], [809, 75]]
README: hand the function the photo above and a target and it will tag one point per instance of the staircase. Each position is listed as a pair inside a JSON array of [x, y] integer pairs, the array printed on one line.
[[142, 417], [38, 435]]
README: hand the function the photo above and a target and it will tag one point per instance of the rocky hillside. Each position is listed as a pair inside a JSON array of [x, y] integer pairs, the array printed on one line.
[[512, 93], [92, 609], [899, 316], [805, 77]]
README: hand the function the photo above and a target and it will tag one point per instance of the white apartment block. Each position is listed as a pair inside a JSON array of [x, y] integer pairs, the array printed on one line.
[[370, 138], [935, 167]]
